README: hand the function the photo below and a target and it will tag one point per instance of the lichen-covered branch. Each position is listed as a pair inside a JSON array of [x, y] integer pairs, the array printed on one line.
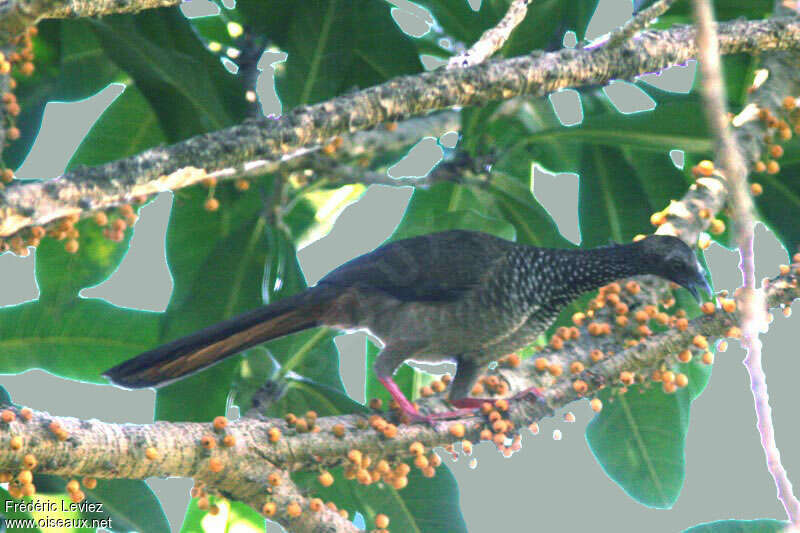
[[258, 142], [16, 15], [742, 207], [492, 39]]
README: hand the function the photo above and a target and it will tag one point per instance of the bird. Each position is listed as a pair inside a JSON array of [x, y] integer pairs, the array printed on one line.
[[457, 295]]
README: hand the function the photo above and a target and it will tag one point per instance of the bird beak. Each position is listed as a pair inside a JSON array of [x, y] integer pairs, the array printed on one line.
[[699, 282]]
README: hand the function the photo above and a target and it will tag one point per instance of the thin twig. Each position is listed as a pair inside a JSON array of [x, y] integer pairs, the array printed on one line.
[[492, 39], [639, 21], [753, 306]]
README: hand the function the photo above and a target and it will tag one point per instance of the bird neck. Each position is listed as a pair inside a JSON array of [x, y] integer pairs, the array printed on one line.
[[589, 269]]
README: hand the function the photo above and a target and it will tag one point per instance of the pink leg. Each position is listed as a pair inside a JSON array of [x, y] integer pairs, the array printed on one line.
[[398, 396]]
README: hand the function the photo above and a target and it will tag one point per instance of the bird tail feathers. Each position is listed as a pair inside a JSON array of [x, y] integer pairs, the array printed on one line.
[[190, 354]]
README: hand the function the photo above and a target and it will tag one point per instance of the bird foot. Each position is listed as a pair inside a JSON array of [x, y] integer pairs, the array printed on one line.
[[536, 392]]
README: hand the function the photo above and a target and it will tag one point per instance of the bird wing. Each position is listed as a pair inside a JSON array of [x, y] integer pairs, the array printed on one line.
[[434, 267]]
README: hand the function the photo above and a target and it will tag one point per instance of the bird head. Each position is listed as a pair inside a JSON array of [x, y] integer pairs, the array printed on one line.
[[671, 258]]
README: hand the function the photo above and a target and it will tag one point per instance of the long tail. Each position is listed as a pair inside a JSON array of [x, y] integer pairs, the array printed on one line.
[[211, 345]]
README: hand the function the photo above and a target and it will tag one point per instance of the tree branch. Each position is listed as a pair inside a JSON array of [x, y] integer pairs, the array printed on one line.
[[753, 301], [257, 143], [17, 15], [638, 22], [492, 39]]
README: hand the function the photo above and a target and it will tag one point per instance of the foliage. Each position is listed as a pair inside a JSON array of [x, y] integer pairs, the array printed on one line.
[[237, 258]]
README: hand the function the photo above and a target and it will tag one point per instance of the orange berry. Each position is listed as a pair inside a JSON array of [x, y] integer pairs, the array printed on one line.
[[717, 227], [399, 482], [215, 465], [229, 441], [89, 482], [773, 167], [729, 305], [212, 204], [269, 509], [708, 358], [705, 167], [73, 485], [151, 453], [294, 510], [668, 376], [29, 461], [390, 431], [776, 151], [596, 355], [477, 389], [734, 332], [77, 496], [220, 422], [355, 456], [555, 369], [513, 360], [708, 308], [208, 442], [416, 448], [381, 521], [681, 380], [7, 416], [596, 404], [576, 367], [325, 479], [580, 386], [626, 377], [274, 479], [669, 387], [274, 434], [71, 246], [25, 476], [421, 461], [242, 185], [556, 342], [788, 103], [541, 364], [682, 324], [685, 356], [578, 318], [700, 341], [15, 443], [203, 504], [760, 166]]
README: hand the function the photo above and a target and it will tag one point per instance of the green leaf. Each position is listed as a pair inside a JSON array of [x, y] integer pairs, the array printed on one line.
[[187, 86], [70, 66], [356, 45], [128, 126], [612, 202], [638, 439], [780, 202], [10, 512], [543, 27], [233, 516], [128, 504], [739, 526], [79, 339], [410, 510], [675, 123], [60, 274]]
